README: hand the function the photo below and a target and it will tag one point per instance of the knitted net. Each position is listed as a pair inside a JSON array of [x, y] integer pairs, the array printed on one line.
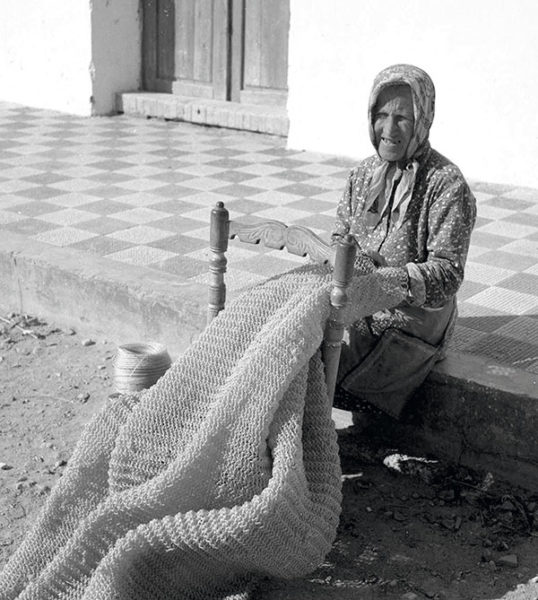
[[225, 470]]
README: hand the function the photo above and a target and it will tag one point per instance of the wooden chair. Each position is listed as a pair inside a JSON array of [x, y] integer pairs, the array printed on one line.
[[296, 240]]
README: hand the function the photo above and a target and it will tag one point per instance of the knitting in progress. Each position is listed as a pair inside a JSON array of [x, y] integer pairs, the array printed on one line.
[[224, 471]]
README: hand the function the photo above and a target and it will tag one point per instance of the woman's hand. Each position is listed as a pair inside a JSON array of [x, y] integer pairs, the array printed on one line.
[[379, 259]]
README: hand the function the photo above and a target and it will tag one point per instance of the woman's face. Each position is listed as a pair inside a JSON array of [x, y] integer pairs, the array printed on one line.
[[394, 121]]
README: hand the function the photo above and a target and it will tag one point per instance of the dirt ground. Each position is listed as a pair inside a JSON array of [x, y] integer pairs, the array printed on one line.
[[431, 530]]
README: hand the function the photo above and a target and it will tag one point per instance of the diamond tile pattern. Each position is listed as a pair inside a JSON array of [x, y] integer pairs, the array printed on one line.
[[139, 191]]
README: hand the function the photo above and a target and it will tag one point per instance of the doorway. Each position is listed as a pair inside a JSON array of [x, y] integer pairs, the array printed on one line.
[[231, 50]]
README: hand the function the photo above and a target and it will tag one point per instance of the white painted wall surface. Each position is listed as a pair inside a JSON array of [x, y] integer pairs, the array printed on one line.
[[69, 55], [481, 54], [116, 51], [45, 54]]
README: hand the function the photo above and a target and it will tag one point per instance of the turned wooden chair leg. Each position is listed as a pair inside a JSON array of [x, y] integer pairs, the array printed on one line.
[[218, 244], [332, 340]]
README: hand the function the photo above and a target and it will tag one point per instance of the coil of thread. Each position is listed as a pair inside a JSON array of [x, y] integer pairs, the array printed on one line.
[[138, 366]]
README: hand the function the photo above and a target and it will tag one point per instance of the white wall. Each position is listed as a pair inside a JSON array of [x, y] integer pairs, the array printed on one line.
[[45, 54], [69, 55], [116, 51], [481, 54]]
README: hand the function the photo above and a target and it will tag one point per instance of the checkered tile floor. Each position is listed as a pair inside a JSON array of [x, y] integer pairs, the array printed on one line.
[[139, 191]]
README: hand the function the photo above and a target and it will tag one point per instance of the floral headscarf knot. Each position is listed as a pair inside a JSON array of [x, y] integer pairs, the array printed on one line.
[[423, 94]]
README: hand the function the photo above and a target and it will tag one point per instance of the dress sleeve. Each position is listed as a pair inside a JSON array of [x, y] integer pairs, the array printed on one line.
[[344, 210], [451, 219]]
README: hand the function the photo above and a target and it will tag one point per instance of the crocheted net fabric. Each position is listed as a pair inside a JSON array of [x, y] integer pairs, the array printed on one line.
[[225, 470]]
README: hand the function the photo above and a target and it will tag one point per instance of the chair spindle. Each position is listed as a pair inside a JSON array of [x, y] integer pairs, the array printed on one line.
[[346, 251], [218, 244]]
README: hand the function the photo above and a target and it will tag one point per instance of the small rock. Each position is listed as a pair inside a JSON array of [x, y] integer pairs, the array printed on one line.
[[507, 505], [5, 467], [531, 507], [486, 555], [43, 490], [83, 397], [88, 342], [410, 596], [430, 588], [101, 367], [428, 516], [509, 560], [398, 516], [446, 495]]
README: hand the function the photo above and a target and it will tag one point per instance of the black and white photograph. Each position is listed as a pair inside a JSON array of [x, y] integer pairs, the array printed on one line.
[[268, 300]]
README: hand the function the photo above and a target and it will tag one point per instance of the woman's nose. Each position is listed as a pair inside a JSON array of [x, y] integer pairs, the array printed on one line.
[[389, 126]]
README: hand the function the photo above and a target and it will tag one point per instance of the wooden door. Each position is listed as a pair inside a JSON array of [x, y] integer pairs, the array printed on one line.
[[185, 46], [260, 51], [223, 49]]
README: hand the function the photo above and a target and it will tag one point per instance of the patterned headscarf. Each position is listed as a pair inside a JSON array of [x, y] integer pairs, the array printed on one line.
[[423, 95]]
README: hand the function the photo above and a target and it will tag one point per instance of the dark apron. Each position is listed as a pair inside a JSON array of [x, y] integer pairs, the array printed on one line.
[[393, 369]]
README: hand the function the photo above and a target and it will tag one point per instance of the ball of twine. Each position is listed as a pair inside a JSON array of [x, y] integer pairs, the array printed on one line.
[[138, 366]]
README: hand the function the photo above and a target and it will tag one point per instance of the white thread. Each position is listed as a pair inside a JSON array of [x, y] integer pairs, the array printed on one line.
[[138, 366]]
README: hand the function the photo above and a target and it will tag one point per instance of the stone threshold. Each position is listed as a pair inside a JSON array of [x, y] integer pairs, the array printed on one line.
[[271, 120]]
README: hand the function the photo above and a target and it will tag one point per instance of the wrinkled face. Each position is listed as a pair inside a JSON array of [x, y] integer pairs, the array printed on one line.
[[393, 122]]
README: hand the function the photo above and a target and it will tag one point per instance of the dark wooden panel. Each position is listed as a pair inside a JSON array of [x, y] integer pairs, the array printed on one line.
[[265, 51], [165, 39], [185, 47], [149, 42]]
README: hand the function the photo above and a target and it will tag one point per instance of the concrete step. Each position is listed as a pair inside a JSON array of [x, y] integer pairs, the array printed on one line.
[[248, 117]]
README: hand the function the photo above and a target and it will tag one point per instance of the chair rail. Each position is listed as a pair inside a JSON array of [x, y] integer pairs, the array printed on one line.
[[275, 234]]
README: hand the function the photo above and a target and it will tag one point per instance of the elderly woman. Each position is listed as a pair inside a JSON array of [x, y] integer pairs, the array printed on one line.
[[407, 207]]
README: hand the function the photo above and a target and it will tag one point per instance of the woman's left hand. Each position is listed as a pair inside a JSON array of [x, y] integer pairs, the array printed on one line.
[[379, 259]]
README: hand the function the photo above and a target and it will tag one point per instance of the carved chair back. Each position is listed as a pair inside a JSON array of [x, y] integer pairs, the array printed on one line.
[[297, 240]]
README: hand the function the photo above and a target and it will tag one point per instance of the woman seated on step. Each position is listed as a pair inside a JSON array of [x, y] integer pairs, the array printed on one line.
[[409, 207]]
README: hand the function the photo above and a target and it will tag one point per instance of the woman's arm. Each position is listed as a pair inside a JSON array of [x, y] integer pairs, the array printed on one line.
[[451, 220]]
